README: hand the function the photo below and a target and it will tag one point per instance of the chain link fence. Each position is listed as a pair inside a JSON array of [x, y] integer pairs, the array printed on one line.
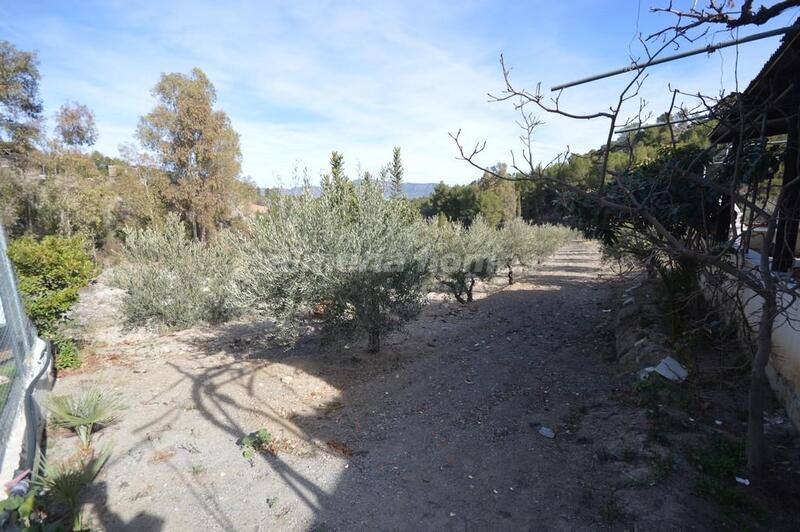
[[17, 335], [21, 360]]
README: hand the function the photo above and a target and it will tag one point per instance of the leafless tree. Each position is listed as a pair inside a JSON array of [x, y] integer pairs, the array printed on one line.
[[716, 249]]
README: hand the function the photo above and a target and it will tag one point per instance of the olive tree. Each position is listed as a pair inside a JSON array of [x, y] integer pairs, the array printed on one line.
[[545, 239], [520, 243], [515, 244], [354, 265], [174, 281], [464, 255]]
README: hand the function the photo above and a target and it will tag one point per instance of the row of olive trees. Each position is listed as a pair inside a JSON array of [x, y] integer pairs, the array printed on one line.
[[464, 255], [366, 262], [351, 263]]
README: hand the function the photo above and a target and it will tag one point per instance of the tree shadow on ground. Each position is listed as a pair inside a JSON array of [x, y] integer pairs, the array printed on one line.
[[437, 430], [111, 521]]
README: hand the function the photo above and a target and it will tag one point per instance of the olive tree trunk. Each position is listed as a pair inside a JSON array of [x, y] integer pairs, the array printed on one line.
[[374, 343]]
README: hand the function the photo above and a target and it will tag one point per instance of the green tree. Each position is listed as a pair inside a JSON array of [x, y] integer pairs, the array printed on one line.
[[75, 196], [497, 198], [140, 191], [537, 200], [459, 203], [491, 207], [75, 125], [396, 174], [337, 186], [20, 104], [196, 147], [20, 115]]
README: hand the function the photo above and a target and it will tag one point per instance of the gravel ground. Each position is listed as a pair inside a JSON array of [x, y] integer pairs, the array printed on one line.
[[441, 431]]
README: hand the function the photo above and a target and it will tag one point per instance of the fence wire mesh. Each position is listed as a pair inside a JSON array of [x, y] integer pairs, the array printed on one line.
[[17, 337]]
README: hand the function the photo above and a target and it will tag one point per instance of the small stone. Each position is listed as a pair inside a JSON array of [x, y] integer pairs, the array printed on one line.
[[547, 432]]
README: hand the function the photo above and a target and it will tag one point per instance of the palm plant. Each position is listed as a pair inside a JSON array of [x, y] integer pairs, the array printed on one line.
[[85, 412], [65, 481]]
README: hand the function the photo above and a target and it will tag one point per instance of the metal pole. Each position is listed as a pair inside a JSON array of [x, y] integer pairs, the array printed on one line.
[[663, 124], [706, 49]]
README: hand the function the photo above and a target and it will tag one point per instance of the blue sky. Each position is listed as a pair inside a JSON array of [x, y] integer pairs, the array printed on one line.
[[300, 79]]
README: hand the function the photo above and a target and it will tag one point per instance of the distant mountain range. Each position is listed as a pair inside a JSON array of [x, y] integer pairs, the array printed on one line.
[[410, 190]]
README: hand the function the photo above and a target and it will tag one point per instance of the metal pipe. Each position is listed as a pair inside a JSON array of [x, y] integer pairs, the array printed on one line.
[[706, 49], [662, 124]]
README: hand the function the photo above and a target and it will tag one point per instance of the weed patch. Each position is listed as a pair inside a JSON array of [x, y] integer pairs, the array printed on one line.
[[259, 440], [719, 463], [723, 459]]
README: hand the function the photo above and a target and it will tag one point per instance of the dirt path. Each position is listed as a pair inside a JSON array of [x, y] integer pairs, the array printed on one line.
[[438, 432]]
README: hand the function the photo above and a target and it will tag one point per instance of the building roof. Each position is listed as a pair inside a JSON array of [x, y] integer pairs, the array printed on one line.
[[763, 107]]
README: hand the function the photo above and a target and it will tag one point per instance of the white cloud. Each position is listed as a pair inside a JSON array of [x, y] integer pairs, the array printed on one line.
[[300, 79]]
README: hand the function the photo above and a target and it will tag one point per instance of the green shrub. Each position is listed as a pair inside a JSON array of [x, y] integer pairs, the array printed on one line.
[[352, 254], [50, 273], [174, 281], [66, 352]]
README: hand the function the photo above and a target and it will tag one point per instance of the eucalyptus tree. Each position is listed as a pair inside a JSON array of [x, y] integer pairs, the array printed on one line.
[[20, 103], [20, 121], [75, 125], [196, 147]]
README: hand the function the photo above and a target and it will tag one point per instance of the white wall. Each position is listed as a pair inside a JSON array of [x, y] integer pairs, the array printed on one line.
[[783, 370]]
